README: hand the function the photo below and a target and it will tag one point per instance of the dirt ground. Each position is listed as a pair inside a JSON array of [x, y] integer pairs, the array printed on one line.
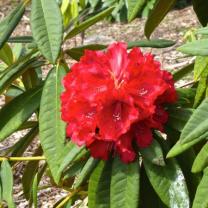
[[174, 27]]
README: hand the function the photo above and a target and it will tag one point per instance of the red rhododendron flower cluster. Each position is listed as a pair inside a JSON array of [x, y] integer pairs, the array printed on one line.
[[114, 99]]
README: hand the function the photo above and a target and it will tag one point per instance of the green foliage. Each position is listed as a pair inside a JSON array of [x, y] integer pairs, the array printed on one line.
[[32, 103]]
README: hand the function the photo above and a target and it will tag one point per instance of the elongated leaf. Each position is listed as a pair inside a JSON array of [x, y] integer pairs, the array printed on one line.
[[47, 28], [147, 192], [7, 183], [202, 31], [52, 128], [15, 70], [200, 7], [17, 111], [161, 8], [10, 22], [18, 149], [89, 22], [178, 117], [74, 151], [124, 190], [134, 7], [201, 63], [154, 43], [201, 88], [21, 39], [77, 52], [35, 191], [195, 48], [29, 174], [153, 154], [197, 124], [6, 54], [86, 171], [99, 186], [178, 75], [201, 200], [169, 183], [201, 160]]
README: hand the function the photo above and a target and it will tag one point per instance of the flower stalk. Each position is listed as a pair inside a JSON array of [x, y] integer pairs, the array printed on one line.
[[23, 158]]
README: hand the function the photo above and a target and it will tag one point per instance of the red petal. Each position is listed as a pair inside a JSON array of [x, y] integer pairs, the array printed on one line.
[[100, 149], [124, 148], [115, 119], [143, 135], [118, 59]]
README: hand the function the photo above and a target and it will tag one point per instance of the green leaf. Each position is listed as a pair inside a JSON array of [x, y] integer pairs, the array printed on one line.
[[161, 8], [181, 73], [17, 111], [169, 183], [125, 184], [195, 48], [68, 158], [52, 128], [47, 28], [197, 124], [201, 63], [154, 43], [77, 52], [29, 174], [89, 22], [35, 191], [202, 31], [186, 97], [200, 7], [15, 70], [201, 160], [18, 149], [201, 200], [134, 7], [85, 172], [7, 183], [201, 88], [178, 117], [6, 54], [10, 22], [99, 186], [153, 154], [21, 39]]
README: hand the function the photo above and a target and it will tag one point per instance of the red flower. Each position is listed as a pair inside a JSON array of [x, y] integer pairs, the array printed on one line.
[[115, 98]]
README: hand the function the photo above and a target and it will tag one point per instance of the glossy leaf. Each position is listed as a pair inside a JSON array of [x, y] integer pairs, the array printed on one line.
[[134, 7], [125, 187], [153, 154], [52, 128], [201, 200], [85, 172], [195, 48], [169, 183], [178, 117], [181, 73], [161, 8], [201, 63], [15, 70], [201, 88], [154, 43], [200, 7], [21, 39], [89, 22], [7, 183], [6, 54], [47, 28], [99, 186], [201, 160], [10, 22], [29, 174], [17, 111]]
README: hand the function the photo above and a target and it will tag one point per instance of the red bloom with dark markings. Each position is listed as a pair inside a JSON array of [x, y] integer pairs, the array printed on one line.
[[114, 99]]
